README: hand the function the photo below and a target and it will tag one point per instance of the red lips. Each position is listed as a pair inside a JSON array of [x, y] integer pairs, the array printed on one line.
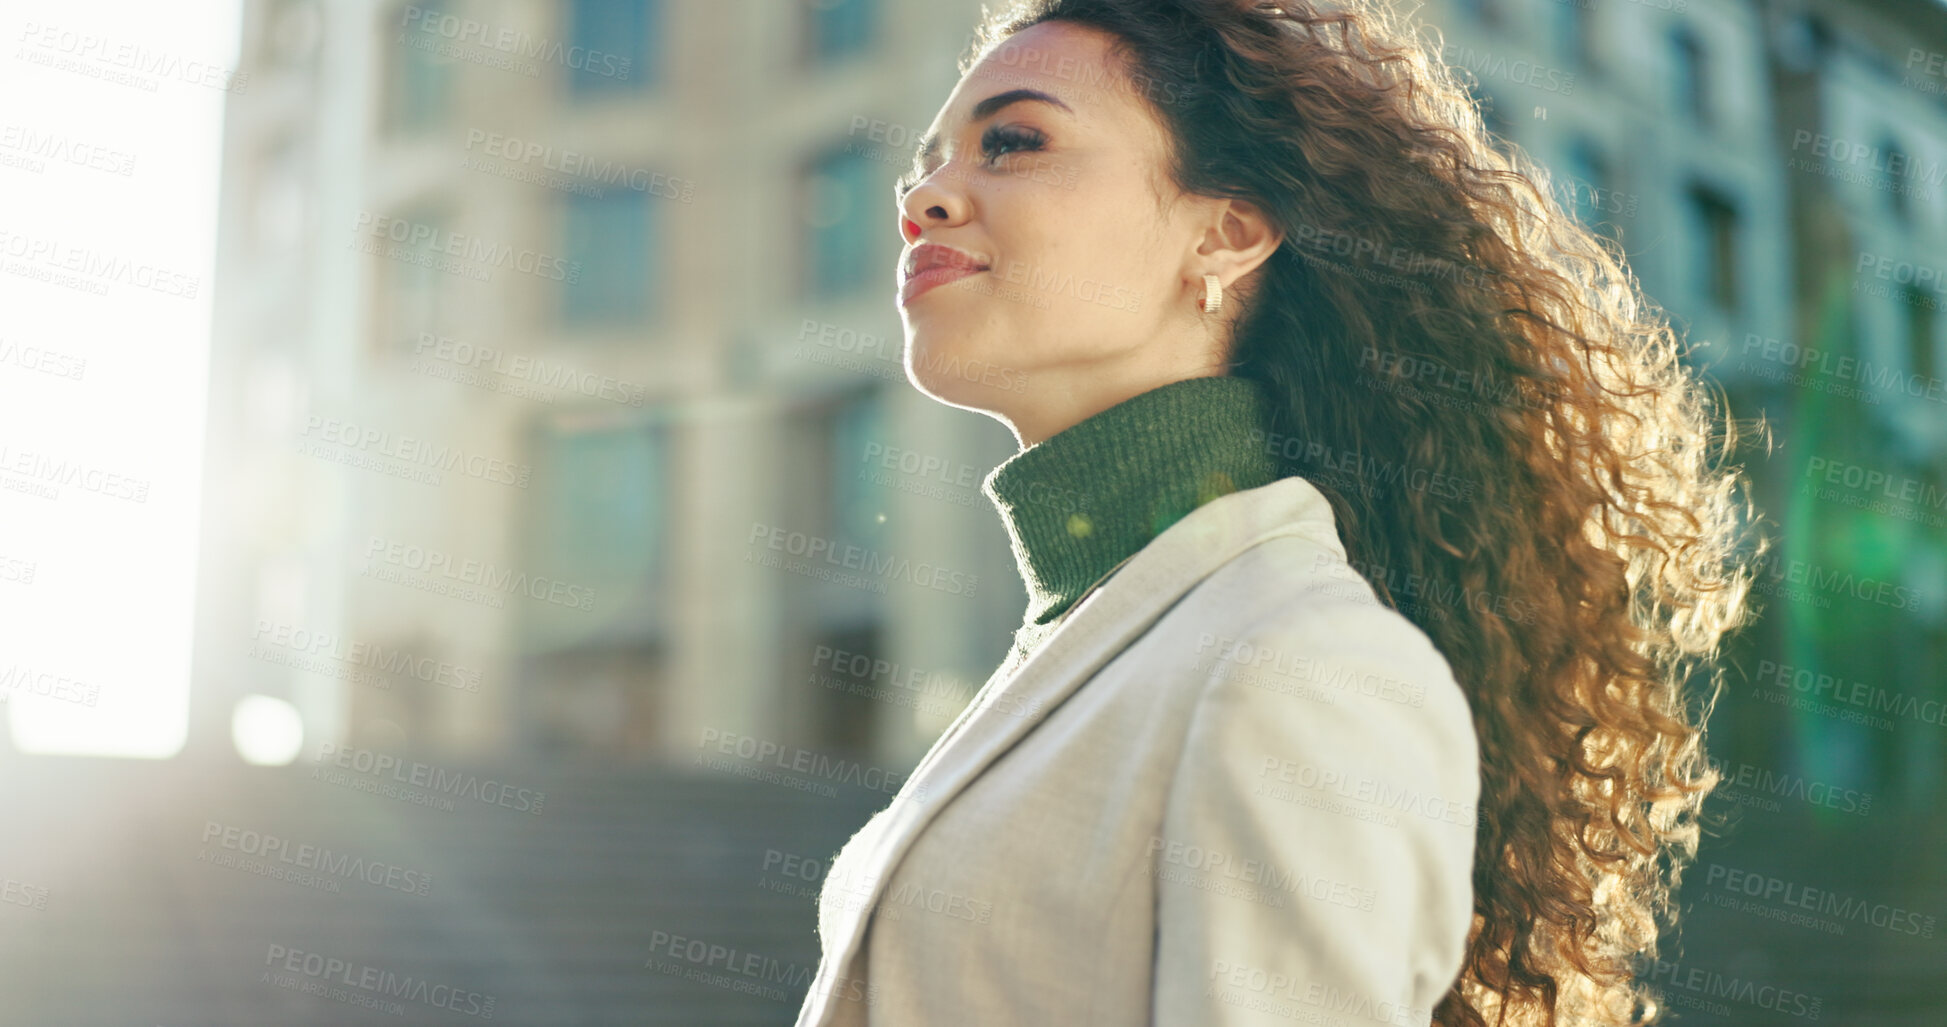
[[932, 264], [928, 256]]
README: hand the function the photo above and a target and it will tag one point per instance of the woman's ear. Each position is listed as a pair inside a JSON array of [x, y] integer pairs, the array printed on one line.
[[1240, 239]]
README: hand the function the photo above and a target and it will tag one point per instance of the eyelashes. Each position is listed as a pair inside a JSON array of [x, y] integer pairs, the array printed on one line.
[[996, 142], [1002, 139]]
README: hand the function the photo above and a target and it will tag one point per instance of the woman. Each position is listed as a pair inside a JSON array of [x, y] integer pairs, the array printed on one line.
[[1371, 532]]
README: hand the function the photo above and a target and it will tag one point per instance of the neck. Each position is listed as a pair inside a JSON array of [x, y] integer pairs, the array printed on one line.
[[1079, 394], [1079, 502]]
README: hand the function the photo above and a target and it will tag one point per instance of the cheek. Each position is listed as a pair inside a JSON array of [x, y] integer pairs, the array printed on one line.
[[1111, 242]]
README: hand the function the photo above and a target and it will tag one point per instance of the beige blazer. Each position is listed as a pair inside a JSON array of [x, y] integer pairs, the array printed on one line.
[[1230, 788]]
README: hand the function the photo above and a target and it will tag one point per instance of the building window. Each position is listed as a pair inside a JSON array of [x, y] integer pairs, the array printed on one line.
[[1587, 182], [836, 29], [1919, 305], [1487, 12], [1898, 168], [1571, 25], [608, 245], [1689, 75], [593, 609], [602, 519], [838, 197], [858, 432], [1715, 229], [418, 74], [612, 45], [844, 482], [847, 712], [849, 619]]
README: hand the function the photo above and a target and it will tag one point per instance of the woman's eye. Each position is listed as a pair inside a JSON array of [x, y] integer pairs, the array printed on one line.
[[1003, 139]]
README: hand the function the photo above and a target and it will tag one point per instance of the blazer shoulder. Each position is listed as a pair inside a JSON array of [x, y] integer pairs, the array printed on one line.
[[1329, 745], [1296, 615]]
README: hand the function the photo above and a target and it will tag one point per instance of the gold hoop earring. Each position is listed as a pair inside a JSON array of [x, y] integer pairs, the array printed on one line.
[[1213, 295]]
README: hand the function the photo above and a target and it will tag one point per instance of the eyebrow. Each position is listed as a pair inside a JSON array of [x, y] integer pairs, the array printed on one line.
[[929, 146]]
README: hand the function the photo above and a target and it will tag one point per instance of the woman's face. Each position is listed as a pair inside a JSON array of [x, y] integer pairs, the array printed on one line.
[[1046, 168]]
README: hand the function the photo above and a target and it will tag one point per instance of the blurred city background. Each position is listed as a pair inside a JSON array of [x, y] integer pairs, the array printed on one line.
[[531, 325]]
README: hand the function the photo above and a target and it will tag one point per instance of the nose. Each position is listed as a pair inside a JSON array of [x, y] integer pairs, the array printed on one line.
[[929, 204]]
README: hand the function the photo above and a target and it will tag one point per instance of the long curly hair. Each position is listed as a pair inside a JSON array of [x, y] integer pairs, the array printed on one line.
[[1518, 459]]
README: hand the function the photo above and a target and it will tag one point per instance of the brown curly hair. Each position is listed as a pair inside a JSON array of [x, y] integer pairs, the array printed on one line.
[[1434, 316]]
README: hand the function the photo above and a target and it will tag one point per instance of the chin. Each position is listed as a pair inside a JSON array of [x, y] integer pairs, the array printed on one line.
[[949, 370], [943, 386]]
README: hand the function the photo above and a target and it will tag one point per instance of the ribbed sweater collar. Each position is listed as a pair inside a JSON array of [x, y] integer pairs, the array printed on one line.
[[1078, 502]]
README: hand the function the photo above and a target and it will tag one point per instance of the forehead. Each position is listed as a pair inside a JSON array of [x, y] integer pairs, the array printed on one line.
[[1070, 62]]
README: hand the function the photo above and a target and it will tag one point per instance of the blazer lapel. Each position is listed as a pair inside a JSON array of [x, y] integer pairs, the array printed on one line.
[[1097, 629]]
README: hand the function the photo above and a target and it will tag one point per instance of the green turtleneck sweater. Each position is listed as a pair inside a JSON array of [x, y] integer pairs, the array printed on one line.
[[1079, 503]]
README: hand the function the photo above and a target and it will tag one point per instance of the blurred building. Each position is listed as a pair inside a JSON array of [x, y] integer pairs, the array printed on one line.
[[540, 323], [619, 271], [1774, 173]]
